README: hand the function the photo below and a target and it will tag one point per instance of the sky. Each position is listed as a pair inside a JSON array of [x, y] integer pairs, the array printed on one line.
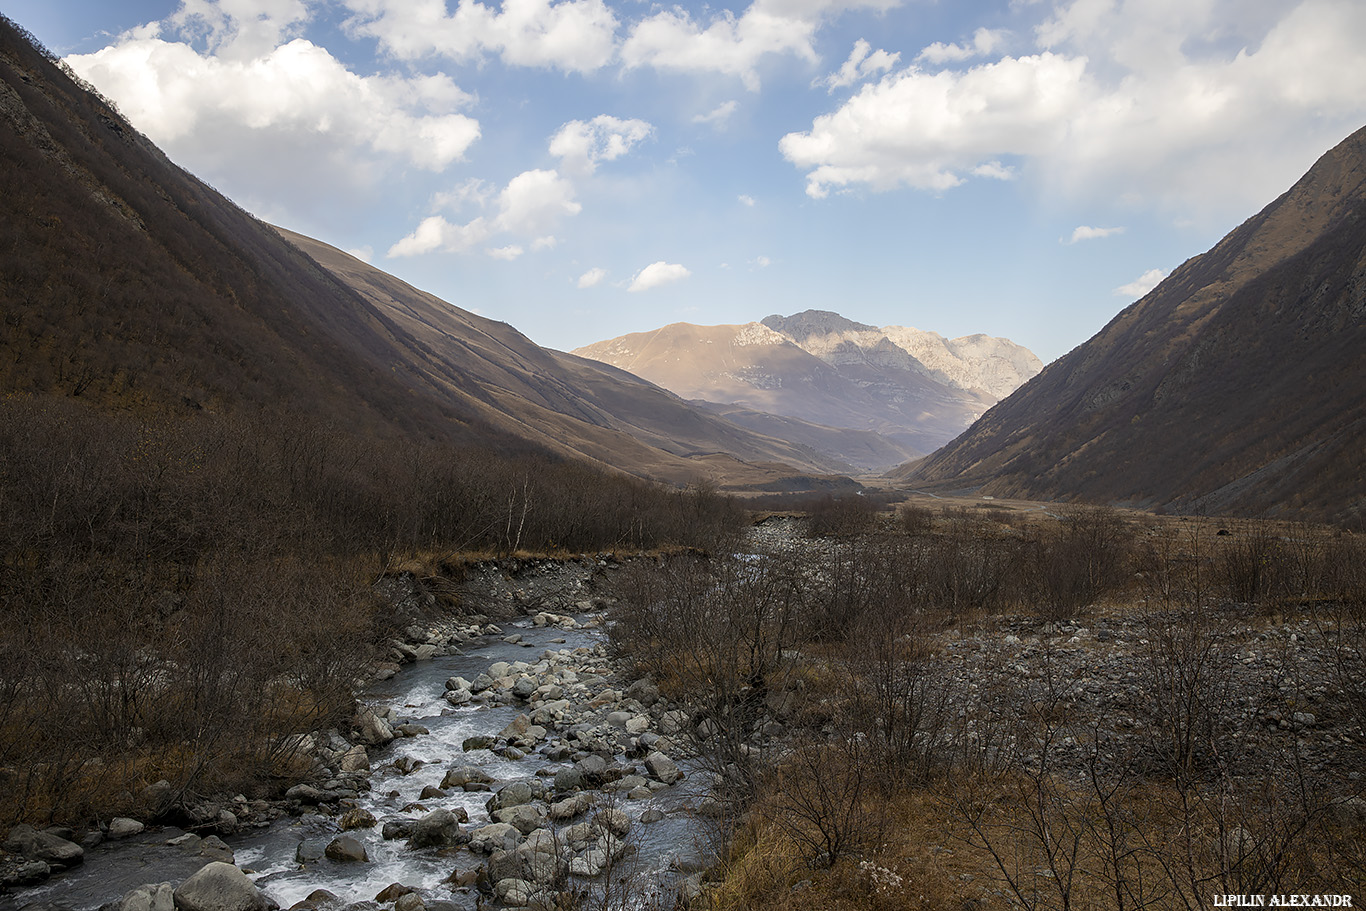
[[586, 168]]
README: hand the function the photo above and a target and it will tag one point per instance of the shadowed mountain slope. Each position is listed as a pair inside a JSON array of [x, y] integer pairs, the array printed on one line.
[[1238, 385], [131, 284]]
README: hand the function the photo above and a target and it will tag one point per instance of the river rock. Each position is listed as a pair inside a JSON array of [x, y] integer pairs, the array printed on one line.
[[151, 897], [571, 806], [593, 768], [372, 729], [512, 795], [465, 776], [458, 697], [357, 818], [410, 902], [478, 742], [317, 900], [481, 683], [346, 849], [526, 817], [662, 767], [219, 887], [17, 872], [498, 836], [123, 827], [393, 892], [614, 821], [570, 779], [438, 829], [355, 760], [515, 893], [53, 850], [654, 814]]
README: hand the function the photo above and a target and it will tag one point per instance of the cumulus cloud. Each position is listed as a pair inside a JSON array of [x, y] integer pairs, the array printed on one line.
[[508, 253], [863, 62], [175, 94], [572, 35], [1141, 285], [592, 277], [746, 200], [529, 206], [581, 145], [656, 274], [672, 40], [1162, 99], [718, 115], [927, 130], [1086, 232], [984, 41]]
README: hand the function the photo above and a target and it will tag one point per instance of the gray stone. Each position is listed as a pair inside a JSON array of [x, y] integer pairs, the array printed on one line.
[[512, 795], [355, 760], [123, 827], [662, 767], [526, 817], [219, 887], [158, 897], [371, 729], [463, 776], [438, 829], [410, 902], [346, 849], [498, 836], [48, 847]]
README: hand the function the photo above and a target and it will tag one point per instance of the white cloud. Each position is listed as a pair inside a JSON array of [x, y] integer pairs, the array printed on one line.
[[1086, 232], [581, 145], [1161, 98], [364, 254], [984, 41], [656, 274], [1141, 285], [672, 40], [592, 277], [863, 62], [290, 128], [240, 29], [926, 130], [508, 253], [718, 115], [746, 200], [528, 206], [574, 35], [763, 262]]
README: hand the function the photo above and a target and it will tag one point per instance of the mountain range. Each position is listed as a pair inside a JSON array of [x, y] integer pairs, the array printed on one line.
[[130, 284], [867, 396], [1237, 385]]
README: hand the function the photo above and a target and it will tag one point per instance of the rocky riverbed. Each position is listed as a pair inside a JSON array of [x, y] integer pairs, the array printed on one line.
[[491, 761]]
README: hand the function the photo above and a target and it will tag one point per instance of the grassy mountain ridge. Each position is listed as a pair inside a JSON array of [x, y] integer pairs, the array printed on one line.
[[130, 284]]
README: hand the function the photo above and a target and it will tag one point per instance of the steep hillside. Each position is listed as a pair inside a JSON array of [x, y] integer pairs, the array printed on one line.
[[130, 284], [1236, 385]]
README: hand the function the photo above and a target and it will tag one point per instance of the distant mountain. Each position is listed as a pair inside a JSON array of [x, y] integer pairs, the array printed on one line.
[[984, 364], [843, 388], [1238, 385], [131, 284]]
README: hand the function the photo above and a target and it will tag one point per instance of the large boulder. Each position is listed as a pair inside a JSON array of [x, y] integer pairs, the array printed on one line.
[[498, 836], [48, 847], [151, 897], [438, 829], [662, 767], [512, 795], [123, 827], [526, 817], [464, 776], [219, 887], [372, 729], [346, 849]]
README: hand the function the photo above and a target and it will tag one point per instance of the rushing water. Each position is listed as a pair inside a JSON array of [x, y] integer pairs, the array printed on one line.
[[661, 848]]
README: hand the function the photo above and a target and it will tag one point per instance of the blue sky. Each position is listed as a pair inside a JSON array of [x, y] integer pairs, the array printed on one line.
[[587, 168]]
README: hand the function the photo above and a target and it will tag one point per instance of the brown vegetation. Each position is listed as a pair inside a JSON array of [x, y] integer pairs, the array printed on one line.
[[952, 733]]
